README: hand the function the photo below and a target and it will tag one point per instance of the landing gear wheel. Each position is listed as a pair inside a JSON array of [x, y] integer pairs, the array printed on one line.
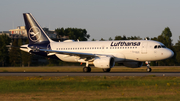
[[107, 70], [148, 66], [87, 69], [148, 69]]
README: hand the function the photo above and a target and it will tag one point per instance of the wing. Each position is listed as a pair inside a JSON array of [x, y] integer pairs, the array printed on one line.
[[52, 52]]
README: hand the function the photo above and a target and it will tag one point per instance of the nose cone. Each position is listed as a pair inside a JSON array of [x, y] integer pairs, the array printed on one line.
[[169, 53]]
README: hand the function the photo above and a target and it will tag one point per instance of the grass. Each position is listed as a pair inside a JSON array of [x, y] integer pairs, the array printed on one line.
[[95, 88], [80, 69]]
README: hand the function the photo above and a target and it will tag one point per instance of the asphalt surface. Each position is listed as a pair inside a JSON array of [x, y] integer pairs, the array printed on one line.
[[89, 74]]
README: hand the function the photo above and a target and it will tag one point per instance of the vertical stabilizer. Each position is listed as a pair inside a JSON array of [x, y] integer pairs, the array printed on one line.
[[34, 31]]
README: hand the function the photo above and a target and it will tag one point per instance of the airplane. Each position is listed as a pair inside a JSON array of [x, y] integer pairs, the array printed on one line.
[[101, 54]]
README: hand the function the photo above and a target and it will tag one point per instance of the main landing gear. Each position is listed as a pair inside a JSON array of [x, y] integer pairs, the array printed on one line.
[[88, 69], [107, 70], [148, 66]]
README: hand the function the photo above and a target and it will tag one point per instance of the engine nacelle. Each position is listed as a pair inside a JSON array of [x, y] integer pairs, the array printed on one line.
[[133, 64], [104, 62]]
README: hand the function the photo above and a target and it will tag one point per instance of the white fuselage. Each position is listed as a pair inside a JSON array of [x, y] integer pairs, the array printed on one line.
[[122, 50]]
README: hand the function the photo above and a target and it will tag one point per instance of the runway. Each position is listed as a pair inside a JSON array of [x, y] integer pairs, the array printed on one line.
[[89, 74]]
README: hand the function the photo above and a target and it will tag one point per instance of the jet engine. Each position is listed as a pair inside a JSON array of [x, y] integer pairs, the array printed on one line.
[[133, 64], [104, 62]]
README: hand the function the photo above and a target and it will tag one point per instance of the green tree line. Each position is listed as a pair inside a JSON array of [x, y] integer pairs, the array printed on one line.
[[14, 57], [73, 33]]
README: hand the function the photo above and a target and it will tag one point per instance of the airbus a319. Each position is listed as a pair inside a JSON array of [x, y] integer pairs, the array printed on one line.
[[101, 54]]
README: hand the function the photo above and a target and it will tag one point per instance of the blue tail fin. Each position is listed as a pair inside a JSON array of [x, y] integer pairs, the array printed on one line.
[[34, 31]]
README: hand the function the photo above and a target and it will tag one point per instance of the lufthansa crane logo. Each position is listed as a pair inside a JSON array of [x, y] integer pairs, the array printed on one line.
[[34, 34]]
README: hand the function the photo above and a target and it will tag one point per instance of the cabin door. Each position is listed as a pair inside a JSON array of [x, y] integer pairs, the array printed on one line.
[[144, 48]]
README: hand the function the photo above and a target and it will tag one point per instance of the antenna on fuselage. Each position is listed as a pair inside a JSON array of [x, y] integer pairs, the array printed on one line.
[[146, 38]]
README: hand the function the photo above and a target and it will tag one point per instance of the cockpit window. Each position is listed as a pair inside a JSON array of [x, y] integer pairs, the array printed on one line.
[[159, 46], [155, 46], [163, 46]]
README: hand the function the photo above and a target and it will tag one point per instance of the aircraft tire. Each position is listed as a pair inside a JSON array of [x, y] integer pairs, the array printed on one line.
[[87, 69], [148, 69], [107, 70]]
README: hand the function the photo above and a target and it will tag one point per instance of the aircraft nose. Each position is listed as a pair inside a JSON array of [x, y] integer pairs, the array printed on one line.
[[169, 53]]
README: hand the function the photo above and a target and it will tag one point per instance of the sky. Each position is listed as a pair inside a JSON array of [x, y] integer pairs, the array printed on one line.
[[101, 18]]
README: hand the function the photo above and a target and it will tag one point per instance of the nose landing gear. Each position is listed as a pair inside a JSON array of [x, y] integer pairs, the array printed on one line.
[[148, 67]]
